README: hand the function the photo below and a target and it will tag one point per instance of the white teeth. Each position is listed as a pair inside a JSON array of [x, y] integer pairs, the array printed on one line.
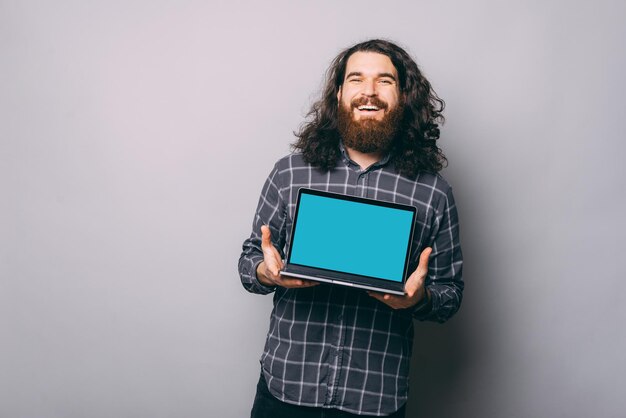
[[368, 108]]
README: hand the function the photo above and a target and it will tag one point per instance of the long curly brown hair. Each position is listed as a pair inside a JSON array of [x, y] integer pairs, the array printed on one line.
[[414, 149]]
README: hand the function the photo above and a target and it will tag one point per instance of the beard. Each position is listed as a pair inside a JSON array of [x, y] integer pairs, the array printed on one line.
[[368, 135]]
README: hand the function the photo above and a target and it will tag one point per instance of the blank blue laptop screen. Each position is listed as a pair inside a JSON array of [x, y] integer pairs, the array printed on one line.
[[351, 237]]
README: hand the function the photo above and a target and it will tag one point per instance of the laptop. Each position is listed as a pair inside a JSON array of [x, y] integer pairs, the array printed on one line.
[[350, 241]]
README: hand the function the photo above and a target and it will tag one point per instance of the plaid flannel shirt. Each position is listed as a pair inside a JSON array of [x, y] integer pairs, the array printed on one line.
[[334, 346]]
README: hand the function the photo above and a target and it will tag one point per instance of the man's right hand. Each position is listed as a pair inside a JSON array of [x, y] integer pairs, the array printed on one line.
[[268, 271]]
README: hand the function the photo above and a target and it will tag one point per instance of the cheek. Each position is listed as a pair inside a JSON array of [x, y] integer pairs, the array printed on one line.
[[393, 100], [346, 94], [343, 94], [343, 100]]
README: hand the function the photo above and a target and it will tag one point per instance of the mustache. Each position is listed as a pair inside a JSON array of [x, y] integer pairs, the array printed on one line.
[[362, 101]]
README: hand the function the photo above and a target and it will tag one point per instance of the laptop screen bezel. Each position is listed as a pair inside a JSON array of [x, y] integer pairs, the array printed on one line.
[[353, 277]]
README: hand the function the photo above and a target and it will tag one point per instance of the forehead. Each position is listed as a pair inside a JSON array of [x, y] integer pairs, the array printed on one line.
[[370, 63]]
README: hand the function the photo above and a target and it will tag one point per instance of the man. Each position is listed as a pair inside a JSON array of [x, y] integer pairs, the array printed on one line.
[[335, 350]]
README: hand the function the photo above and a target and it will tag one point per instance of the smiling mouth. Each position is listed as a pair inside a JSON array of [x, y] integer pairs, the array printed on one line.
[[369, 105], [368, 108]]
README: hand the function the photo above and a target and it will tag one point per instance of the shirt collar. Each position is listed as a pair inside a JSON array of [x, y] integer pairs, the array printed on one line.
[[344, 156]]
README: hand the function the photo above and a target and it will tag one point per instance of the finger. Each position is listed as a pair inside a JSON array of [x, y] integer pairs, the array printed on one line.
[[376, 295], [272, 272], [266, 237], [272, 266], [296, 283], [277, 265], [423, 263], [394, 302], [309, 283], [271, 254], [383, 297], [414, 282], [277, 258]]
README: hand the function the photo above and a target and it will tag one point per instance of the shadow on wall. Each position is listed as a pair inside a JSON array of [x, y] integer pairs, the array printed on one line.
[[446, 356], [438, 367]]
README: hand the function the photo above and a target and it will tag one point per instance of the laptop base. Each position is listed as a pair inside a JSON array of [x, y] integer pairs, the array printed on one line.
[[318, 278]]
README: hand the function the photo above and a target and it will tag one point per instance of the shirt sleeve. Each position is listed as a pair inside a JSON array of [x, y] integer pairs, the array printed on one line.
[[271, 211], [445, 267]]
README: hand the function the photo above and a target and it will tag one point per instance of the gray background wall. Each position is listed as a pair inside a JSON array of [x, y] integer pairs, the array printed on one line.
[[134, 140]]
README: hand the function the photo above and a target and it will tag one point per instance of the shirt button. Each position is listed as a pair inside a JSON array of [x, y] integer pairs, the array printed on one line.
[[339, 317]]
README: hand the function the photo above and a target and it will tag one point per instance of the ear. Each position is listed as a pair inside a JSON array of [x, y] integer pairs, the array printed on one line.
[[339, 94]]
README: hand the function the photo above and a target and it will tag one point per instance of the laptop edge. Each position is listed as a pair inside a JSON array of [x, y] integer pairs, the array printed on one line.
[[350, 280]]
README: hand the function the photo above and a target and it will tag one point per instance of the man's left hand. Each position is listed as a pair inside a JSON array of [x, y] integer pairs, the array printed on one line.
[[414, 287]]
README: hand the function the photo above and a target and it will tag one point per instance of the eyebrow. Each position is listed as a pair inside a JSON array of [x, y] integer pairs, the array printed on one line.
[[380, 75]]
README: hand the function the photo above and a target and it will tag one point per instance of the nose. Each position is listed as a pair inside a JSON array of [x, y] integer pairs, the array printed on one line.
[[369, 88]]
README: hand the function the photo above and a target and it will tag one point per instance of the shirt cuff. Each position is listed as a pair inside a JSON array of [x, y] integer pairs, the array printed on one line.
[[424, 307], [261, 288]]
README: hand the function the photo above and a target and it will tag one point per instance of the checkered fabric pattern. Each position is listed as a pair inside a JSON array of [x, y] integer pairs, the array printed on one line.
[[335, 346]]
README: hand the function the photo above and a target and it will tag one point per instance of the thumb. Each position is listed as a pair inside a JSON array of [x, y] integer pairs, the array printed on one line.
[[266, 237], [423, 263], [419, 275]]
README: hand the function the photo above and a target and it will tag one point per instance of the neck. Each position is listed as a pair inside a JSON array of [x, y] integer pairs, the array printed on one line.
[[364, 160]]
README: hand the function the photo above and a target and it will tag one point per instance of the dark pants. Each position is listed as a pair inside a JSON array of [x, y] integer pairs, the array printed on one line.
[[267, 406]]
